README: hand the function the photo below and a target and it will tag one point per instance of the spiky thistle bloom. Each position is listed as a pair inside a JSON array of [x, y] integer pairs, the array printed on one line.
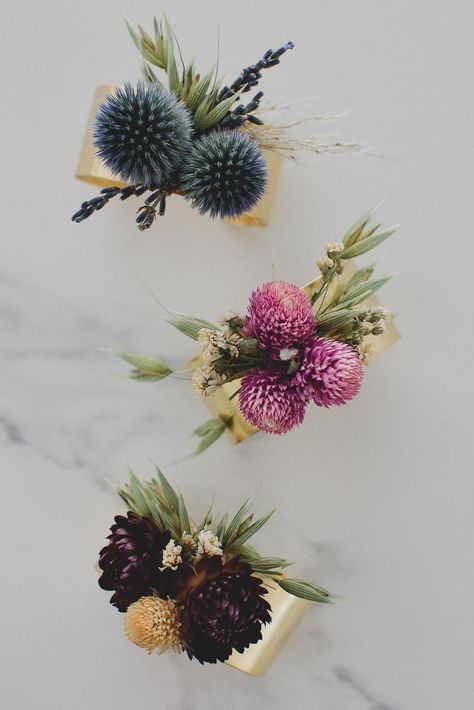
[[270, 402], [330, 373], [223, 609], [143, 134], [153, 624], [131, 562], [279, 315], [225, 174]]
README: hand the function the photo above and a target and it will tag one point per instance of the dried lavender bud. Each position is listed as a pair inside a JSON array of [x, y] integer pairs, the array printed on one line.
[[153, 197], [255, 119], [146, 217], [250, 75], [241, 113], [97, 203], [127, 191], [162, 206]]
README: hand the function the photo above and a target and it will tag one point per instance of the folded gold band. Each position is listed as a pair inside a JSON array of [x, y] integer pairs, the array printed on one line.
[[287, 611]]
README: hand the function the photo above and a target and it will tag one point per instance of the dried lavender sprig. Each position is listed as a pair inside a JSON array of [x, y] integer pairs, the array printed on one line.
[[237, 117], [250, 75], [96, 203], [148, 212]]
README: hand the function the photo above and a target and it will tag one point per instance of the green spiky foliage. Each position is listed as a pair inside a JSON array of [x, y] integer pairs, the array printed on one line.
[[159, 502], [205, 97], [343, 315], [199, 93]]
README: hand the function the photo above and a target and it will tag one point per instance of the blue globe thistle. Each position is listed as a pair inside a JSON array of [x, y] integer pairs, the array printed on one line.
[[225, 174], [143, 134]]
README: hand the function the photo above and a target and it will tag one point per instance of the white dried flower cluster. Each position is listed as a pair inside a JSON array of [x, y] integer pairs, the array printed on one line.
[[287, 354], [188, 540], [205, 380], [374, 320], [215, 345], [366, 353], [171, 556], [196, 545], [324, 265], [208, 545], [371, 320], [228, 318], [332, 258], [334, 249]]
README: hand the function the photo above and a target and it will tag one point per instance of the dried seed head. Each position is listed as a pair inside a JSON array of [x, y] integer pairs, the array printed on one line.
[[153, 624]]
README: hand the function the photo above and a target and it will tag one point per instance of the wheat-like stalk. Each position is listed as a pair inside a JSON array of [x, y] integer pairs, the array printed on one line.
[[279, 130]]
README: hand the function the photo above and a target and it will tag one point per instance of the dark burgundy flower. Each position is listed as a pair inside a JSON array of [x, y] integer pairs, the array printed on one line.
[[131, 562], [223, 609]]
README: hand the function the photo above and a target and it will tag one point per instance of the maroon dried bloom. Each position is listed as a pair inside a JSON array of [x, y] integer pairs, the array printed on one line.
[[223, 609], [130, 562]]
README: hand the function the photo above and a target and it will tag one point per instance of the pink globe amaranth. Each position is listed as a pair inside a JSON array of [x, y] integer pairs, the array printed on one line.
[[331, 373], [279, 315], [269, 402]]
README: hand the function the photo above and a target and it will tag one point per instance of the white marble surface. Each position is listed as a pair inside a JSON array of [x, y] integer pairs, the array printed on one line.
[[375, 499]]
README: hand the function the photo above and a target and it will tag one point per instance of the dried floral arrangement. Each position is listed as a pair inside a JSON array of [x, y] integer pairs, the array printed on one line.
[[294, 346], [191, 135], [185, 587]]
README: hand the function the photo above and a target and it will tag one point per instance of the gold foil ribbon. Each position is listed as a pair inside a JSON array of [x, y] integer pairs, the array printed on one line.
[[224, 403], [91, 169]]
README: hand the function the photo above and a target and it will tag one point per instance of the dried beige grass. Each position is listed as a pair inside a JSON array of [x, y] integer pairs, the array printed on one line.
[[280, 134]]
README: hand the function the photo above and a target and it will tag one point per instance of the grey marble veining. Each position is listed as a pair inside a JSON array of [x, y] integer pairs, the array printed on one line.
[[375, 499]]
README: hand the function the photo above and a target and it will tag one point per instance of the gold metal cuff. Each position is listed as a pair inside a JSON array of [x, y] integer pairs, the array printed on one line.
[[287, 611]]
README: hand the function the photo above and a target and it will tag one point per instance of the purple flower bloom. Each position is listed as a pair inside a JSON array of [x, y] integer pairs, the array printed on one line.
[[279, 316], [270, 402], [130, 562], [331, 373], [223, 609]]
